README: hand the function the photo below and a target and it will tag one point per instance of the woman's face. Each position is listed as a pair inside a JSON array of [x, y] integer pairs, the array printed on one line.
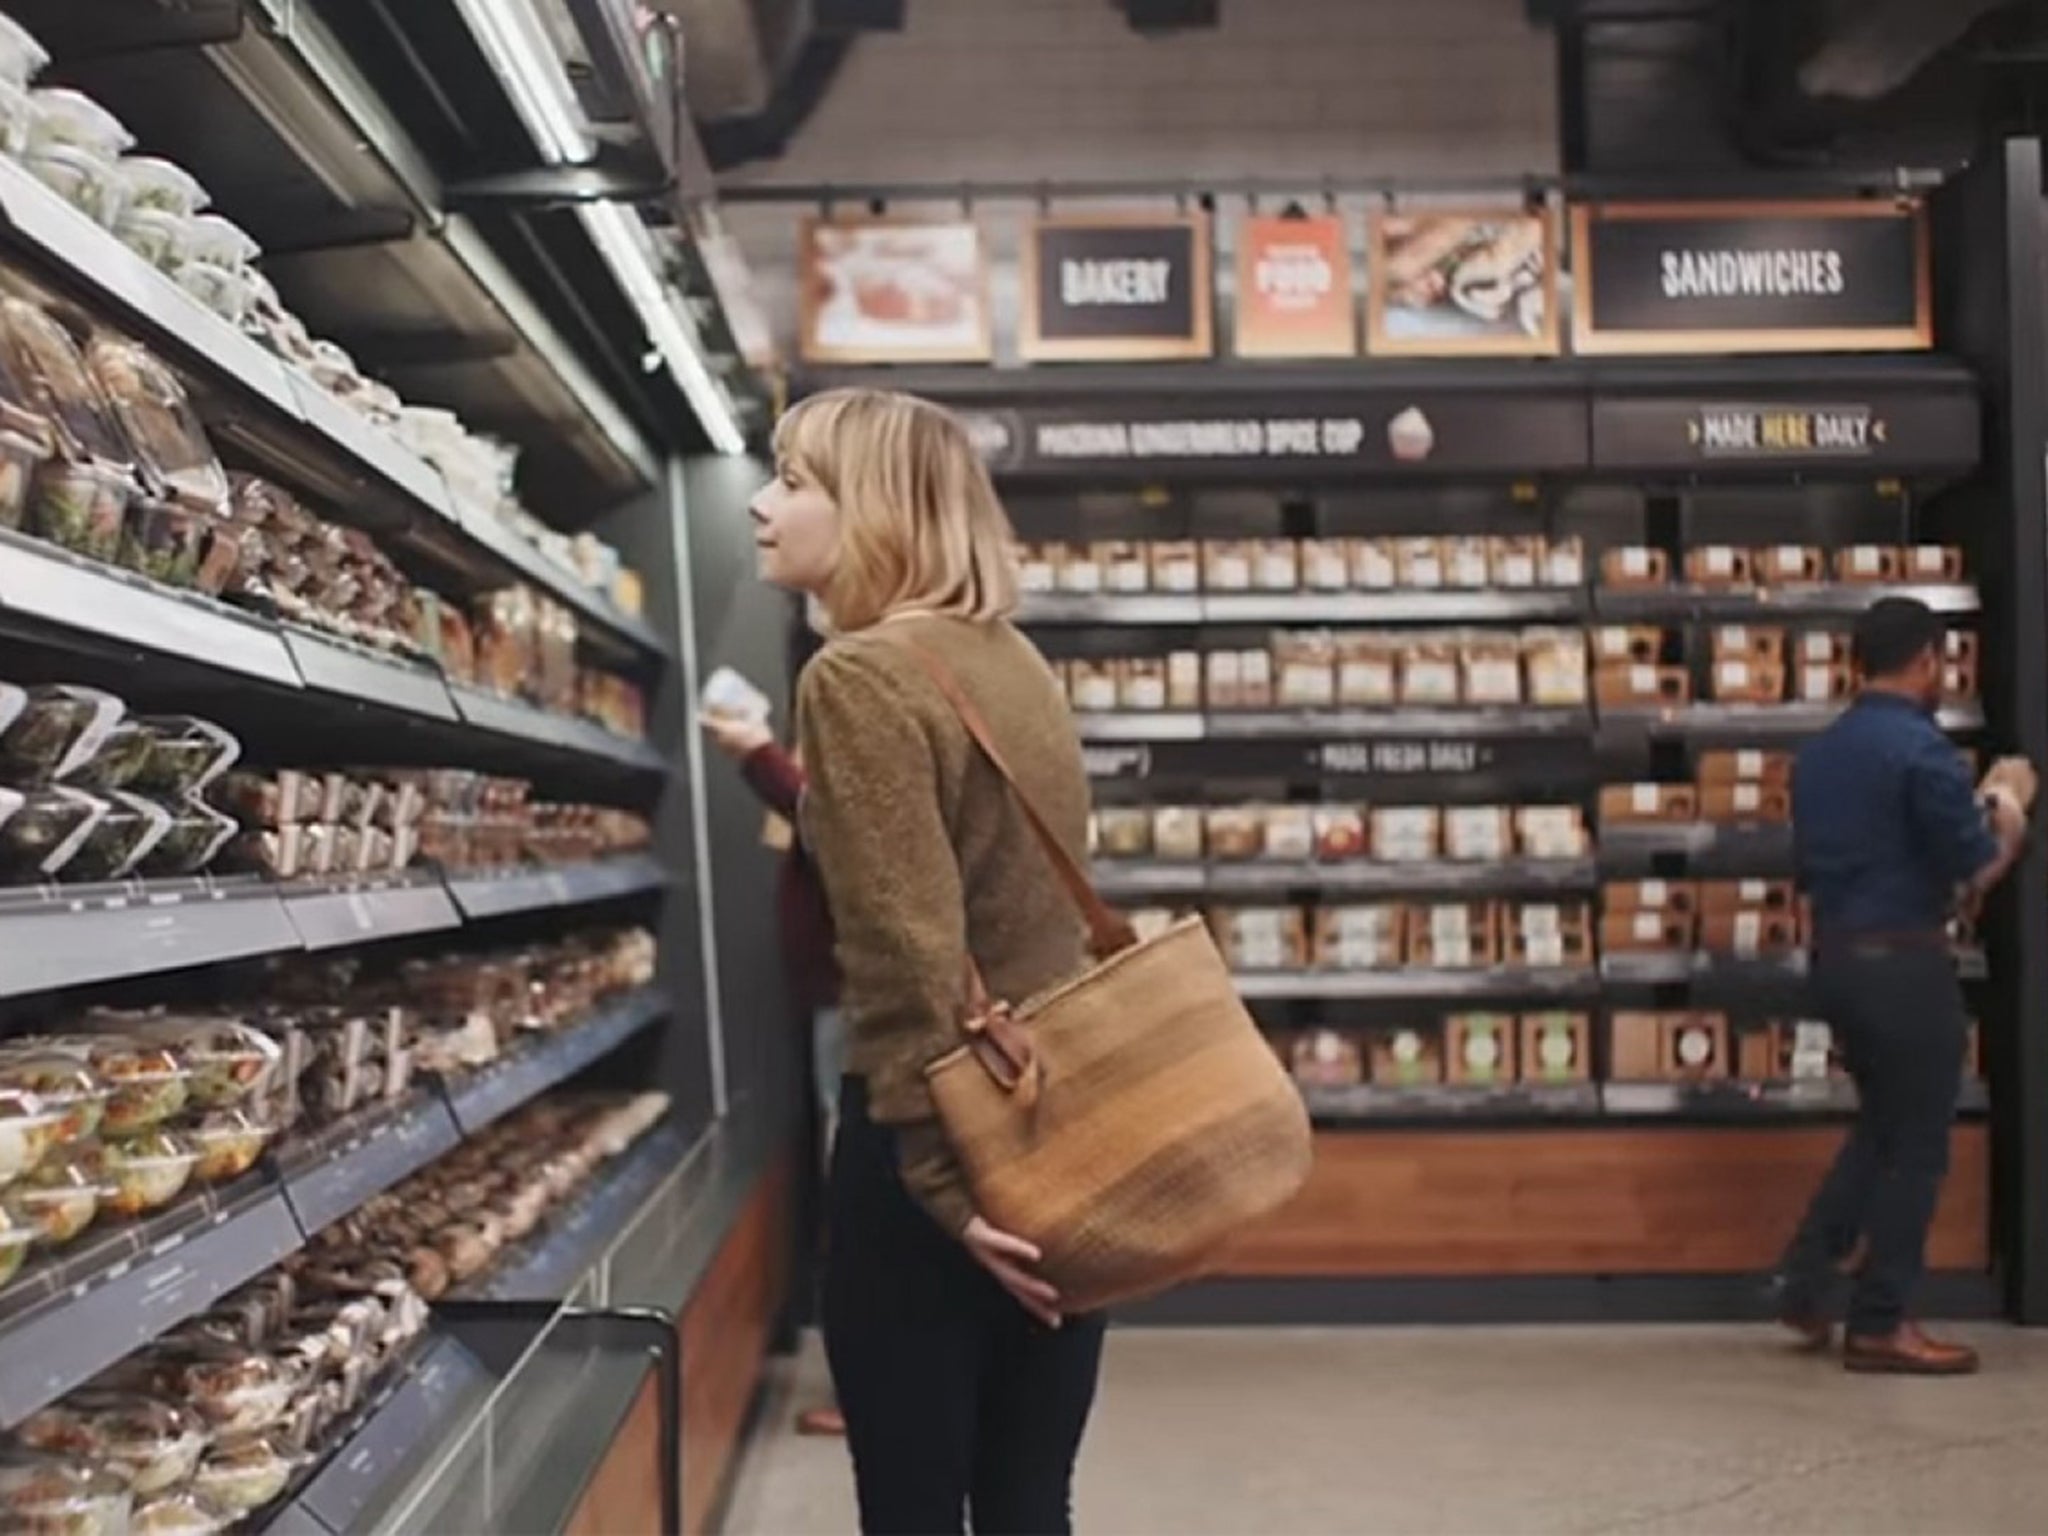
[[796, 531]]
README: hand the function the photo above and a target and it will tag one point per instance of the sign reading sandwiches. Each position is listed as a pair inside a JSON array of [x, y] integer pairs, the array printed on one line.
[[1294, 288], [1109, 288], [1752, 277]]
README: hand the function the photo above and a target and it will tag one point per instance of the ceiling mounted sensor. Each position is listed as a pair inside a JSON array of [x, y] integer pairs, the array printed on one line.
[[515, 39], [1171, 15]]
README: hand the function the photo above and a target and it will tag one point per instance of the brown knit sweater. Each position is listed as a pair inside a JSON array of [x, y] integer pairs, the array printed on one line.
[[925, 853]]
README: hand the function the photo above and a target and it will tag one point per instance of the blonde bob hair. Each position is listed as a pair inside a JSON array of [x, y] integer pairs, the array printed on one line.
[[920, 526]]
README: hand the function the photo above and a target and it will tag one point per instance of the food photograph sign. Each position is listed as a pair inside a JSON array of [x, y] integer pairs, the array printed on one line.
[[1471, 282], [1110, 288], [1294, 288], [894, 291]]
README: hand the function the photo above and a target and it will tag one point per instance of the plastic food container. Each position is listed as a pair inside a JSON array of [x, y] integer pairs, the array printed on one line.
[[224, 290], [186, 754], [15, 1241], [22, 58], [236, 1391], [150, 1445], [148, 1172], [42, 836], [28, 1130], [82, 505], [218, 243], [52, 370], [61, 1083], [228, 1061], [60, 1198], [197, 834], [120, 840], [21, 455], [82, 177], [163, 541], [74, 118], [158, 236], [171, 447], [243, 1475], [161, 187], [59, 728], [120, 756], [149, 1081], [61, 1497], [17, 118], [229, 1142], [179, 1514]]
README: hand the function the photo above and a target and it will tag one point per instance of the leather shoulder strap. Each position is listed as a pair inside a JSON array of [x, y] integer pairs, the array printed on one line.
[[1109, 931]]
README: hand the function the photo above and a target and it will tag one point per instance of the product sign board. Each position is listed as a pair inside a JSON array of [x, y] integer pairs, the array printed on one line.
[[894, 291], [1752, 277], [1294, 288], [1110, 288], [1473, 282], [1912, 431], [1449, 433]]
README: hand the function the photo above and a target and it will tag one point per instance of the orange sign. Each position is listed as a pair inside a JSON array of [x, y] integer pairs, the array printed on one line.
[[1294, 288]]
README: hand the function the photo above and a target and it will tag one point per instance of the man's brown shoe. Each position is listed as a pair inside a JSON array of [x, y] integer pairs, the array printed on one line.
[[1908, 1352], [1810, 1333]]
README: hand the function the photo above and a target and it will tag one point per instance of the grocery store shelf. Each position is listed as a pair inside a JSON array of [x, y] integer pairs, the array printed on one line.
[[68, 936], [1111, 608], [1681, 966], [1136, 609], [333, 914], [549, 1265], [367, 449], [1705, 847], [1416, 982], [1134, 877], [47, 585], [352, 672], [531, 1069], [509, 717], [1334, 1107], [1825, 600], [1162, 726], [519, 555], [1731, 1100], [527, 889], [64, 1321], [332, 1171], [1757, 721]]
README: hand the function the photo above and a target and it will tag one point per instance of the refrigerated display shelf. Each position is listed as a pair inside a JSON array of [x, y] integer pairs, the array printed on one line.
[[1754, 722], [481, 896], [1735, 972], [1417, 982], [1822, 600], [494, 1091], [1747, 1101], [131, 292], [53, 937], [563, 733], [1374, 1103], [334, 666], [1144, 877], [1335, 724], [1149, 609]]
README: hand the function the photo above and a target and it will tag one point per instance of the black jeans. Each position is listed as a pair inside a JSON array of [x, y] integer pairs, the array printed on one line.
[[956, 1400], [1902, 1026]]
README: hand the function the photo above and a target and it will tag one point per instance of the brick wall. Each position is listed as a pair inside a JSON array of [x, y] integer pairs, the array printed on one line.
[[1063, 90]]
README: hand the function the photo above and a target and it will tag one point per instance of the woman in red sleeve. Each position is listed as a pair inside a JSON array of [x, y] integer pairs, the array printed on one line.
[[777, 777]]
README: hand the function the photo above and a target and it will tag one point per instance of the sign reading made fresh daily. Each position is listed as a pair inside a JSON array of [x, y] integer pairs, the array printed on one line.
[[1751, 277], [1110, 288]]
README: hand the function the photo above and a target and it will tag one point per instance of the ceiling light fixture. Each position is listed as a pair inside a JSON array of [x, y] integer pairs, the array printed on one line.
[[520, 51]]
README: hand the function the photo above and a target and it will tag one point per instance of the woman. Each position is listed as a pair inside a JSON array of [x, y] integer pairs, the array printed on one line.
[[964, 1389]]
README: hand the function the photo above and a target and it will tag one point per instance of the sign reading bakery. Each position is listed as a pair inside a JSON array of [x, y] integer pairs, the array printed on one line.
[[1752, 277], [1110, 288], [1294, 288]]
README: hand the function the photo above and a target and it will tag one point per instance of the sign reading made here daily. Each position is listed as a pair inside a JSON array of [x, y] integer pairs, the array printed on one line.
[[1110, 288], [1751, 277]]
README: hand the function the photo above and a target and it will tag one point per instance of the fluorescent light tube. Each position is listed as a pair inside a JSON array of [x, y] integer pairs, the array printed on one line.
[[524, 57]]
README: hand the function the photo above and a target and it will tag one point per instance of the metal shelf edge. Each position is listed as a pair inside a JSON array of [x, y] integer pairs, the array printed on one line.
[[493, 1092]]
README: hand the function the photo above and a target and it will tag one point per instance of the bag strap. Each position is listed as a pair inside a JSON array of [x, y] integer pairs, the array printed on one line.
[[1109, 931]]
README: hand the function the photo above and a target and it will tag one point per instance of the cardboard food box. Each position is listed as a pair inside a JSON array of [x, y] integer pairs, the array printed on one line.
[[1635, 566], [1694, 1047], [1960, 645], [1407, 1058], [1257, 687], [1261, 938], [1177, 566], [1466, 562], [1367, 672], [1228, 564], [1623, 804], [1640, 644], [1681, 897], [1555, 661], [1305, 669], [1080, 571], [1720, 566], [1326, 565], [1749, 642], [1234, 832], [1141, 683], [1932, 562], [1290, 833], [1756, 1054], [1790, 565], [1126, 566], [1276, 565], [1481, 1048], [1036, 570], [1865, 564], [1478, 833], [1555, 1048], [1749, 682], [1341, 833], [1123, 832], [1490, 669], [1746, 765], [1324, 1058], [1635, 1047], [1633, 685], [1372, 565], [1406, 834], [1822, 648], [1095, 686], [1646, 932], [1515, 562], [1550, 935], [1817, 684], [1429, 673], [1551, 832], [1564, 562], [1804, 1050], [1419, 564], [1177, 833], [1184, 681], [1365, 937], [1735, 804], [1748, 932], [1453, 936], [1750, 895], [1223, 683]]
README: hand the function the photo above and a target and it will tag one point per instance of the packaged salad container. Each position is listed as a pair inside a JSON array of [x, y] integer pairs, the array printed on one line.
[[60, 1083], [229, 1142], [159, 238], [57, 729], [180, 1513], [148, 1172], [86, 179], [236, 1390], [170, 446], [115, 762], [60, 1496], [120, 839], [242, 1476], [195, 837], [28, 1131], [22, 58], [74, 118], [60, 1197], [149, 1444], [42, 836], [161, 187], [186, 755], [148, 1080], [25, 438]]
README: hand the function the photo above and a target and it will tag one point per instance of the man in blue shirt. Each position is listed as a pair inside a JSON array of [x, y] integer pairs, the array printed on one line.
[[1890, 839]]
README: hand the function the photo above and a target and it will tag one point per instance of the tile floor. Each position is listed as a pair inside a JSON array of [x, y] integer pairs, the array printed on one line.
[[1644, 1431]]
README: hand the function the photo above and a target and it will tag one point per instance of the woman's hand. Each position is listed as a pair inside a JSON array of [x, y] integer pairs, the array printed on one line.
[[1010, 1260], [738, 737]]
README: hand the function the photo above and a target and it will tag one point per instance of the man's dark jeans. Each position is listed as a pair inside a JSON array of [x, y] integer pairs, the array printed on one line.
[[1901, 1022]]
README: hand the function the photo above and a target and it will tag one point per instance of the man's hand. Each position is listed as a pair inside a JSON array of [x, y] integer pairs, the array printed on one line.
[[1010, 1260], [2016, 776], [2008, 820], [737, 737]]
